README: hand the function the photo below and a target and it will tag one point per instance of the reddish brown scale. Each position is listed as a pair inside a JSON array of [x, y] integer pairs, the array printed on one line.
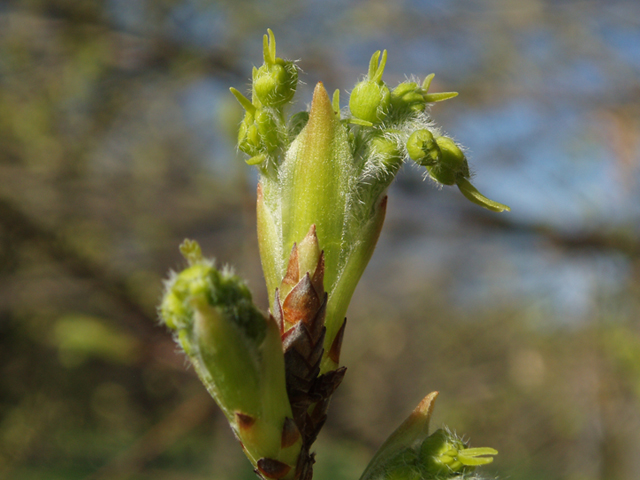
[[292, 275], [300, 314], [271, 468], [290, 433], [302, 303], [317, 280], [244, 421]]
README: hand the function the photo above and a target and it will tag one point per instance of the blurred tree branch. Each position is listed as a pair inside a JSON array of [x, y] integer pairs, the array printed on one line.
[[24, 229], [623, 242]]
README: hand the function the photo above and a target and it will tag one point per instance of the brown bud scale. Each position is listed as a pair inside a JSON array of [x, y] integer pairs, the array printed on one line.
[[299, 310], [271, 468]]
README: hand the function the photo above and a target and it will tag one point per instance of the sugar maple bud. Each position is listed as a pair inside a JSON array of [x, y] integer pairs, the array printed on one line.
[[452, 165], [275, 82], [423, 149], [370, 98]]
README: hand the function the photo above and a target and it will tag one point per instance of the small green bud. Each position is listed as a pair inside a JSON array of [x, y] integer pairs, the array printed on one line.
[[371, 98], [248, 136], [408, 96], [268, 129], [423, 149], [386, 147], [452, 165], [258, 132], [276, 81]]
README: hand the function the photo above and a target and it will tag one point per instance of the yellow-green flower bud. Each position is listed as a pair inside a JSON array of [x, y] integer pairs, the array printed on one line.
[[452, 165], [276, 81], [371, 98], [423, 149], [444, 454], [408, 96], [258, 131], [268, 129], [249, 136], [385, 146]]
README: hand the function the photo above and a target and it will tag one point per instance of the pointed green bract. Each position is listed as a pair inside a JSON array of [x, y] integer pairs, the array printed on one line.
[[315, 181]]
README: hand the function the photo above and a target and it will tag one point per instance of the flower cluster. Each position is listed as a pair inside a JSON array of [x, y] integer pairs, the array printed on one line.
[[321, 203]]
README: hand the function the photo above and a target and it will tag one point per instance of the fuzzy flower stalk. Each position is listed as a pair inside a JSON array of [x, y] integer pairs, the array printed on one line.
[[321, 202]]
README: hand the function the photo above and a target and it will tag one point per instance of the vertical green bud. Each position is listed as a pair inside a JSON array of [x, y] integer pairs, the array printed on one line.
[[371, 98], [317, 185], [276, 81]]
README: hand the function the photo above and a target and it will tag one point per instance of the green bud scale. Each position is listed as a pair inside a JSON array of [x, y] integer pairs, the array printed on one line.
[[237, 353]]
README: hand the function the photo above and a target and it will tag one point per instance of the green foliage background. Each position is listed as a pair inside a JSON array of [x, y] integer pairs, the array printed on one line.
[[116, 142]]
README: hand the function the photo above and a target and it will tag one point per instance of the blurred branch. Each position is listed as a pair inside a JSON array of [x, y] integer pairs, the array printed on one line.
[[619, 241], [189, 414], [24, 228]]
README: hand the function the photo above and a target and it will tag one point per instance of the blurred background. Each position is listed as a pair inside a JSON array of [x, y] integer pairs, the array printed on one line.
[[117, 141]]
